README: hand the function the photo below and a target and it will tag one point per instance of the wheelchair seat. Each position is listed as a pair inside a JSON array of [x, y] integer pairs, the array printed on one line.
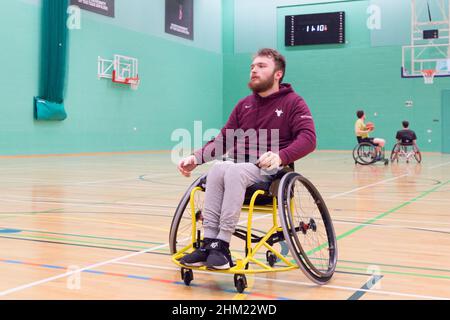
[[262, 200], [269, 187], [406, 143]]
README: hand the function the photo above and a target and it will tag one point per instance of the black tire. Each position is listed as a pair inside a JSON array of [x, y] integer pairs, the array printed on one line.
[[307, 227], [418, 156], [181, 228], [363, 153], [187, 276], [240, 282], [394, 153], [271, 258]]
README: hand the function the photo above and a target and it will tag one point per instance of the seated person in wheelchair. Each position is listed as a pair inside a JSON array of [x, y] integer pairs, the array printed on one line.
[[362, 134], [274, 128], [406, 137]]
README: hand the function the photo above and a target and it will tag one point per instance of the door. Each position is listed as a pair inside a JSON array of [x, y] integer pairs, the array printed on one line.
[[445, 120]]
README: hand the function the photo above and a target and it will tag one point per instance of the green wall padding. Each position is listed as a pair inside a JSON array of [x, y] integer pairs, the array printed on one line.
[[54, 43]]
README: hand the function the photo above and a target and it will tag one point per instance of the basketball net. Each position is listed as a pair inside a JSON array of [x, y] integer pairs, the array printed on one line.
[[428, 75]]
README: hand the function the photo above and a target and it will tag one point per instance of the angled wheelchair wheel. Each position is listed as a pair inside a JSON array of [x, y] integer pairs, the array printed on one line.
[[355, 154], [418, 156], [394, 153], [181, 228], [364, 153], [307, 227]]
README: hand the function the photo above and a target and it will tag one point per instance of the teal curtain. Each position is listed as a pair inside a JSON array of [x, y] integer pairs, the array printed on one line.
[[54, 43]]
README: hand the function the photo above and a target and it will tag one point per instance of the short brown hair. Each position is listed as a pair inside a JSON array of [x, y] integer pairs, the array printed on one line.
[[359, 114], [280, 60]]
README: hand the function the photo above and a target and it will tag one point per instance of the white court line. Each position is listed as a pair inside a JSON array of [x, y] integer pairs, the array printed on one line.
[[394, 220], [26, 286], [36, 283], [367, 186], [93, 266], [309, 284], [79, 205], [391, 226], [439, 165], [427, 200]]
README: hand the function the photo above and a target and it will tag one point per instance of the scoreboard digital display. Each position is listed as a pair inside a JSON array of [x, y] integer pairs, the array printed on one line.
[[317, 28]]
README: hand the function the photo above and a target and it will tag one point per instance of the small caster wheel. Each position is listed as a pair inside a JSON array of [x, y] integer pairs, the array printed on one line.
[[187, 276], [271, 258], [240, 282], [313, 225], [386, 162]]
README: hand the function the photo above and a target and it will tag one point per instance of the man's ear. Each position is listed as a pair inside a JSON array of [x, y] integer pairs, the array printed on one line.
[[278, 74]]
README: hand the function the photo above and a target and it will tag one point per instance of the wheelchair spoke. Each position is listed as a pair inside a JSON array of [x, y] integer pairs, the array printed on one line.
[[312, 237], [181, 228]]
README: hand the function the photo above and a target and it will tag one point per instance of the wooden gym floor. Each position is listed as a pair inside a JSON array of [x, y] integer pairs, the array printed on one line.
[[109, 215]]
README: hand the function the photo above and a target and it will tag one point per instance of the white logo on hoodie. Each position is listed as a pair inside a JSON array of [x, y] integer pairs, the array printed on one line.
[[279, 112]]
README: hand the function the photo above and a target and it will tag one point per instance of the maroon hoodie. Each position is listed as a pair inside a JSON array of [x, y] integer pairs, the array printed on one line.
[[281, 123]]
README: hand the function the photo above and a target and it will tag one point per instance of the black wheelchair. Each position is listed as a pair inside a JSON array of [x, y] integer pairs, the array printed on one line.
[[300, 221], [406, 149], [365, 153]]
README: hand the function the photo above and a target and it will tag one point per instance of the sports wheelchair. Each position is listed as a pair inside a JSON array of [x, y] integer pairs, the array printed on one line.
[[406, 150], [365, 153], [306, 228]]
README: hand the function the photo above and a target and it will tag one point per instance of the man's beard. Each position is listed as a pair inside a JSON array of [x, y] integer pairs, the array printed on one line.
[[262, 85]]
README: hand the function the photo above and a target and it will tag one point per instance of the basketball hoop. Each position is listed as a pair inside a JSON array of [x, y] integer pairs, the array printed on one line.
[[122, 70], [133, 82], [428, 75]]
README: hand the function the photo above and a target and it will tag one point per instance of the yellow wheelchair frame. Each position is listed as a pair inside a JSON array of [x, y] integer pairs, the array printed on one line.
[[275, 232]]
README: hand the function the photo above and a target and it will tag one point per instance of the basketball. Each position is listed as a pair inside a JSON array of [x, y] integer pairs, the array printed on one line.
[[370, 126]]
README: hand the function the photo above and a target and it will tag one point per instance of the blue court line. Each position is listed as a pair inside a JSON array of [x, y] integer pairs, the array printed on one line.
[[367, 286], [10, 231], [136, 277]]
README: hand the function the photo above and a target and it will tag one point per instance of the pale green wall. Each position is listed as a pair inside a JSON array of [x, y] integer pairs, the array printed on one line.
[[337, 80], [184, 81], [181, 81]]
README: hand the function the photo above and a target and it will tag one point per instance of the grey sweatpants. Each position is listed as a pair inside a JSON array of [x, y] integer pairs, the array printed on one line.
[[225, 191]]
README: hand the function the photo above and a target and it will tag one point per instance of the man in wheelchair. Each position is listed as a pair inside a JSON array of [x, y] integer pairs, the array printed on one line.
[[266, 131], [406, 146], [406, 136], [362, 135]]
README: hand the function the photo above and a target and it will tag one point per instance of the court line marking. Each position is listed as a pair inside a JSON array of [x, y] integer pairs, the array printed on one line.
[[96, 265], [367, 186], [309, 284], [56, 203], [439, 165], [137, 277], [392, 200], [361, 271], [380, 216], [69, 273], [19, 288]]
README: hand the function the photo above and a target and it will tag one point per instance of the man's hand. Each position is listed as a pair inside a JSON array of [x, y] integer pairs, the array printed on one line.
[[269, 161], [187, 165]]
